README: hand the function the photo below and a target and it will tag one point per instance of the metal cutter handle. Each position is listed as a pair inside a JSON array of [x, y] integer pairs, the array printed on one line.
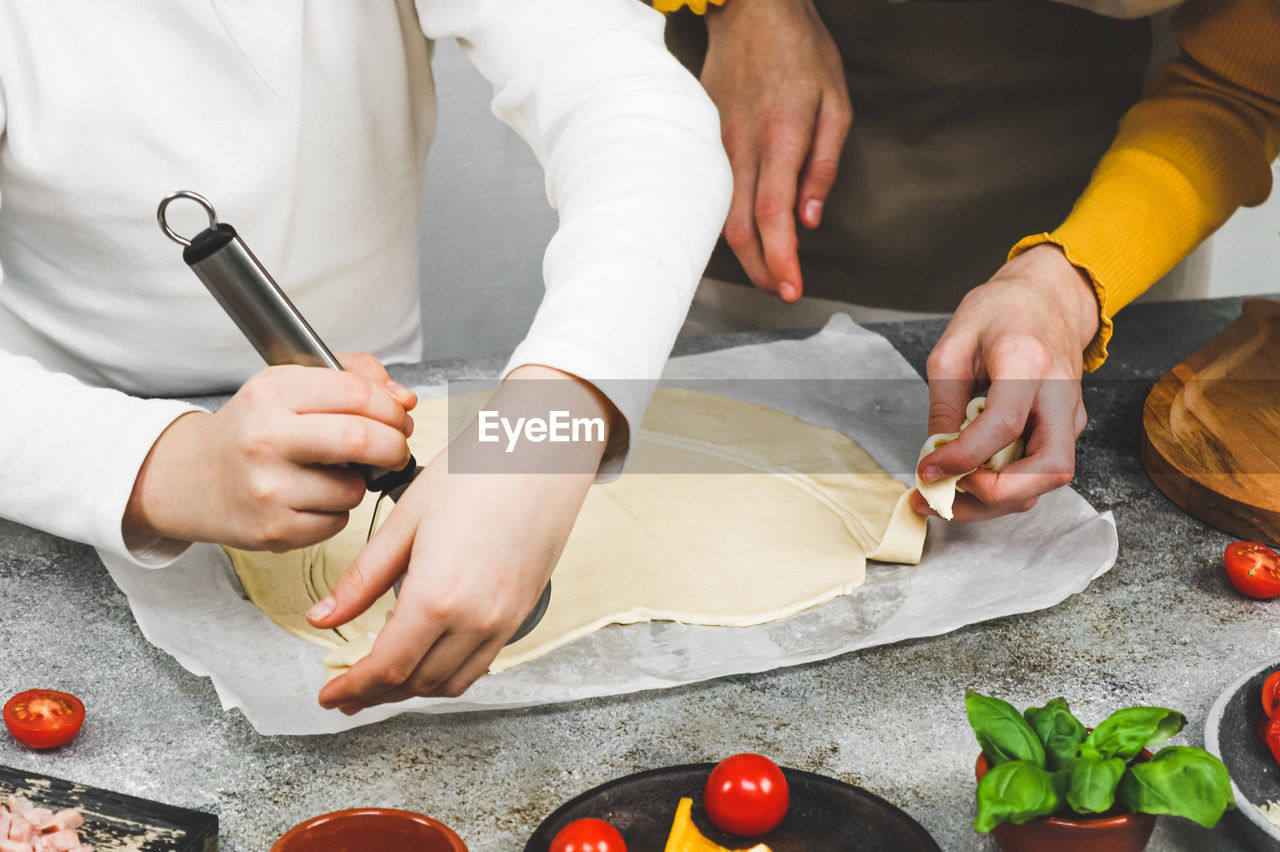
[[249, 295]]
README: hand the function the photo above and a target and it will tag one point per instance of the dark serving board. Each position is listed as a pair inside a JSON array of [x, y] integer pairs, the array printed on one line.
[[114, 821], [826, 815]]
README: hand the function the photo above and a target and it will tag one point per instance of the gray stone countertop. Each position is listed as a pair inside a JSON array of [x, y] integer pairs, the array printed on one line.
[[1162, 627]]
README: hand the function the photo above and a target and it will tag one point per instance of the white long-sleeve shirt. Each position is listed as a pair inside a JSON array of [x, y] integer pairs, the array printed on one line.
[[307, 124]]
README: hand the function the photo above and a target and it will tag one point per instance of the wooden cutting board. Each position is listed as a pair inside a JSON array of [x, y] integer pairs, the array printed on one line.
[[1211, 428], [114, 822]]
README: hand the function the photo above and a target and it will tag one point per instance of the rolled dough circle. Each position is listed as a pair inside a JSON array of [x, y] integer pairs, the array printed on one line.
[[732, 514]]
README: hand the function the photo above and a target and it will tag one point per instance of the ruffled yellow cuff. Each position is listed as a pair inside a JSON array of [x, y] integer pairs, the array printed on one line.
[[1096, 352], [698, 7]]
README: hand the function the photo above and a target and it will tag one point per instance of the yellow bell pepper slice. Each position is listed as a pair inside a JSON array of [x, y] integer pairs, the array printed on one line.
[[685, 836]]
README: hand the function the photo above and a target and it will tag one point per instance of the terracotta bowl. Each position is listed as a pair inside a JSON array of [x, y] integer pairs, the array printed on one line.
[[370, 830], [1116, 833]]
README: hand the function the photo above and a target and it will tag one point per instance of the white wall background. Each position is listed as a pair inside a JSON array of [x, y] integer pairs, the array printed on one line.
[[486, 222], [1244, 257]]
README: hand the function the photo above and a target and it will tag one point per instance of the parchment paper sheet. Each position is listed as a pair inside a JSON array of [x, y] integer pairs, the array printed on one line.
[[194, 609]]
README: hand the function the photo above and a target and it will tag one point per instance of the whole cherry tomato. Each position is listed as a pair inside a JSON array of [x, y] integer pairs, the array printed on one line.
[[746, 795], [43, 718], [1253, 569], [1271, 694], [1273, 737], [588, 835]]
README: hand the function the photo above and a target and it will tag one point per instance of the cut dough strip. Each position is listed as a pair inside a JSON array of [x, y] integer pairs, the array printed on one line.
[[941, 493]]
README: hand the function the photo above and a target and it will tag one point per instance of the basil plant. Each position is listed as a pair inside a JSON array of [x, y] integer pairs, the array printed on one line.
[[1044, 762]]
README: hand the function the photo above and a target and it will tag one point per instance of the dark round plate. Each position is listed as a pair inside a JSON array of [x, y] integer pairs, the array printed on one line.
[[826, 815], [1229, 733]]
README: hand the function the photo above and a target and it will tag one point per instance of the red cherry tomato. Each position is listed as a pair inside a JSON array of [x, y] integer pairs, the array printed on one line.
[[1273, 737], [43, 718], [588, 835], [1271, 693], [1253, 569], [746, 795]]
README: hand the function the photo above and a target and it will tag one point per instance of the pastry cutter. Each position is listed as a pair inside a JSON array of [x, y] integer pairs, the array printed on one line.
[[246, 291]]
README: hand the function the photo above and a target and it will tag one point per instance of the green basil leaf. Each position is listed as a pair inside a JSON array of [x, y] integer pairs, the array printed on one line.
[[1093, 784], [1016, 792], [1179, 780], [1125, 733], [1001, 731], [1059, 731]]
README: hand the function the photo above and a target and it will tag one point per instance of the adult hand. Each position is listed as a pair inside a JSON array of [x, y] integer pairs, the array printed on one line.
[[1022, 334], [268, 471], [475, 546], [775, 74]]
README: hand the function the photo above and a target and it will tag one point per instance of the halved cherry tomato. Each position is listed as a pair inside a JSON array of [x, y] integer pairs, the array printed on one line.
[[1271, 693], [43, 718], [588, 835], [746, 795], [1253, 569]]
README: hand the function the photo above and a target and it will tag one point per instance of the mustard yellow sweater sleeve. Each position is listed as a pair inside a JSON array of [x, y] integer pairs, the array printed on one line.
[[699, 7], [1196, 148]]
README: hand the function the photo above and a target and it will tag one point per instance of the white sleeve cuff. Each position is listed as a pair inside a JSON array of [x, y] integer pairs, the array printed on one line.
[[630, 396], [125, 453], [71, 454]]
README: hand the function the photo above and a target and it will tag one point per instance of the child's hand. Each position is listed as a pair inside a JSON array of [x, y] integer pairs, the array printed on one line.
[[476, 549], [265, 472]]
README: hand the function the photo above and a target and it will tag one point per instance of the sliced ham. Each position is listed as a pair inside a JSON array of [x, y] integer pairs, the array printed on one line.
[[62, 841], [69, 819], [24, 827], [21, 830], [41, 818]]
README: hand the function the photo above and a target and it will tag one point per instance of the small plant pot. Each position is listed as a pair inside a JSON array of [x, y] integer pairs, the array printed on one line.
[[1111, 833], [370, 830]]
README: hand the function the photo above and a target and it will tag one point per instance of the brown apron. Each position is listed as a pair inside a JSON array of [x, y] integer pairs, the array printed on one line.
[[975, 124]]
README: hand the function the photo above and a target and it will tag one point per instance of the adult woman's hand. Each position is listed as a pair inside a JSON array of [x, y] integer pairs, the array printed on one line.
[[475, 543], [776, 76], [268, 470], [1022, 334]]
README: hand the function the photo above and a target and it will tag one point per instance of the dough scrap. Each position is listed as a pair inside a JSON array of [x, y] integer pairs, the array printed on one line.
[[769, 517], [941, 493]]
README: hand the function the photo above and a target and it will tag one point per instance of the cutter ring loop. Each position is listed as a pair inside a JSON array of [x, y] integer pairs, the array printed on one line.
[[174, 196]]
